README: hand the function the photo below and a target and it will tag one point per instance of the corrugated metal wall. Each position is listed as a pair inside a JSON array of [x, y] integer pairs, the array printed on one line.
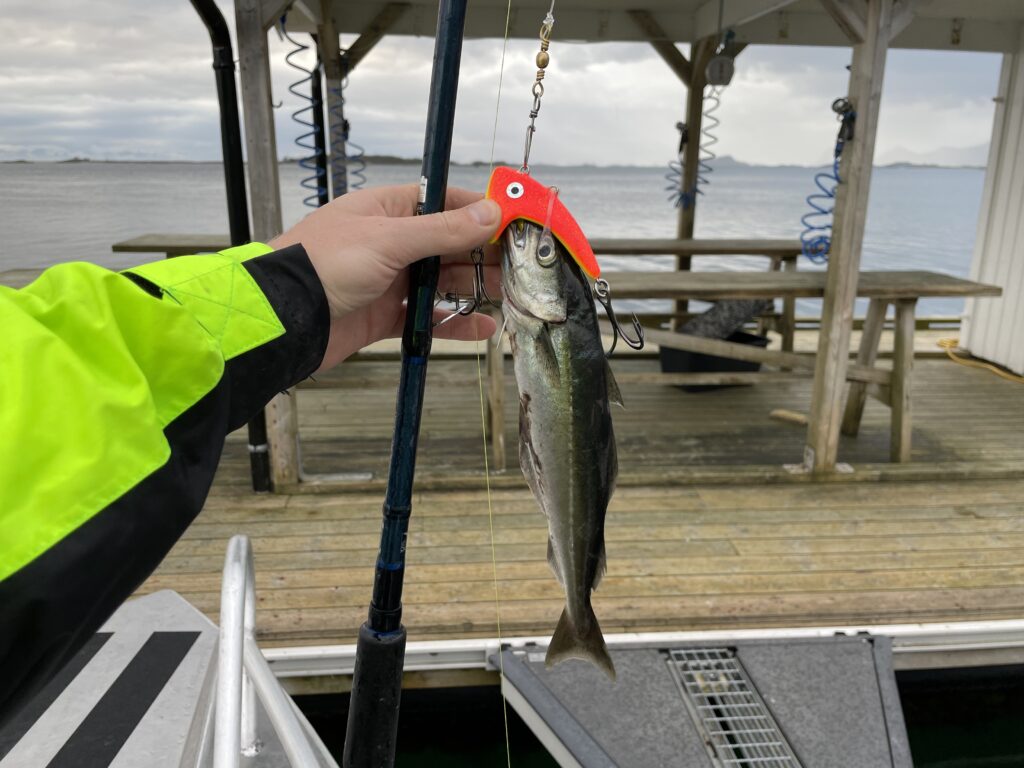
[[994, 328]]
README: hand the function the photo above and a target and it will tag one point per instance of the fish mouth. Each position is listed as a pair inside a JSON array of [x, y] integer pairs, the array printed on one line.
[[531, 288]]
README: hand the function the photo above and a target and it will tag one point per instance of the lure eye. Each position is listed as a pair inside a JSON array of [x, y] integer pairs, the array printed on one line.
[[546, 253], [514, 190]]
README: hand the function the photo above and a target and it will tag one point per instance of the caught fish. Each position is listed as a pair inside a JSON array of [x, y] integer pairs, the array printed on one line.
[[566, 441]]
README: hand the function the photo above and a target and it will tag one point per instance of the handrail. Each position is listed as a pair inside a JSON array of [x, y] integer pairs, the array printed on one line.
[[243, 674]]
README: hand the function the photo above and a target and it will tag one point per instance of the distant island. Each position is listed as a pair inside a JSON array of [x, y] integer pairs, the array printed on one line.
[[725, 161]]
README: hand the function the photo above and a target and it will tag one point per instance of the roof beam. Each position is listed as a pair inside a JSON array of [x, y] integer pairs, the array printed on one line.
[[370, 36], [661, 42], [850, 15], [735, 13]]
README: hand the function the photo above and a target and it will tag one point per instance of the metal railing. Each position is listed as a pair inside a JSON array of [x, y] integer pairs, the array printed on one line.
[[243, 675]]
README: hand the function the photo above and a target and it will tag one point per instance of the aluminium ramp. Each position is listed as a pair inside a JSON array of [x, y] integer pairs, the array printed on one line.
[[140, 693], [815, 703]]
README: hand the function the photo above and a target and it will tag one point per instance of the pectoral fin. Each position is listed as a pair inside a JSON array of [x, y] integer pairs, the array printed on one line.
[[614, 393]]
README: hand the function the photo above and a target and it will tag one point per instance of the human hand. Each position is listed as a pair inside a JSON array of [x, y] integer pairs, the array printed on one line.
[[361, 245]]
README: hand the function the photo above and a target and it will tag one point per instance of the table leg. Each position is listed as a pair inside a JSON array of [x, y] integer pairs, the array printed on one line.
[[902, 367], [788, 311], [866, 355]]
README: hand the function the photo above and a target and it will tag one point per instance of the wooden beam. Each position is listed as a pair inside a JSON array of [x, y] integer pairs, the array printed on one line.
[[663, 44], [265, 199], [735, 13], [902, 14], [330, 54], [620, 246], [702, 52], [865, 93], [850, 15], [270, 11], [866, 355], [376, 29], [751, 354]]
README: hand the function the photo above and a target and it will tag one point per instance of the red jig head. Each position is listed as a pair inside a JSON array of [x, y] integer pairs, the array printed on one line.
[[522, 197]]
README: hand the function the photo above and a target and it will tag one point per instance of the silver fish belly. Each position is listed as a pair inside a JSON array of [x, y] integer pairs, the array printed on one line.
[[566, 441]]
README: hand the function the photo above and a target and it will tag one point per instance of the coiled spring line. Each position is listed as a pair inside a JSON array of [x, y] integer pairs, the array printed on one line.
[[355, 162], [679, 197], [816, 239], [316, 181]]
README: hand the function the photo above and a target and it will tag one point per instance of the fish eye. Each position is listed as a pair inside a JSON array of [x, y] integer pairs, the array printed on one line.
[[546, 254], [514, 190]]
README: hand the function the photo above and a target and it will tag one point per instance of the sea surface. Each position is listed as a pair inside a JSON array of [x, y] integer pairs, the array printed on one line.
[[919, 218]]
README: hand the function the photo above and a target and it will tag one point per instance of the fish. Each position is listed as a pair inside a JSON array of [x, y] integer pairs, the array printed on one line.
[[566, 441]]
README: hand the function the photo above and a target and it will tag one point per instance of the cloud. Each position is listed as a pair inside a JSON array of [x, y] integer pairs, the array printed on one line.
[[115, 79]]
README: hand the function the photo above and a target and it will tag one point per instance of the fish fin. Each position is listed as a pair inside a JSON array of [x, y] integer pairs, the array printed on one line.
[[567, 643], [602, 566], [552, 563], [547, 348], [614, 393]]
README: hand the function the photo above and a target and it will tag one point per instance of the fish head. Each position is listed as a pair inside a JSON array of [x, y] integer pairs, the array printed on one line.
[[520, 196], [533, 278]]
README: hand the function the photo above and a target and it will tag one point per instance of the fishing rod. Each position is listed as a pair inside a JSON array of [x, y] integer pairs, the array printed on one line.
[[380, 651], [234, 180]]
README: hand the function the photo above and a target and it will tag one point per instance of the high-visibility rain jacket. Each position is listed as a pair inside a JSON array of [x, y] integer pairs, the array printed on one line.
[[116, 393]]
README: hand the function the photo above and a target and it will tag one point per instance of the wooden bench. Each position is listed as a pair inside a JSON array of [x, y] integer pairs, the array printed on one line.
[[783, 255], [173, 244], [901, 289]]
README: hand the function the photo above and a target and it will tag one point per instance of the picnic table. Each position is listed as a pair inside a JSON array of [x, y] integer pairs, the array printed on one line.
[[902, 289]]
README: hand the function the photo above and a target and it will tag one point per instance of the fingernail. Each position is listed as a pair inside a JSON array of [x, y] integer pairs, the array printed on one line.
[[484, 212]]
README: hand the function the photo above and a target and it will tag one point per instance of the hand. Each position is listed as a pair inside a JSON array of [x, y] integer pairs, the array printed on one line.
[[361, 245]]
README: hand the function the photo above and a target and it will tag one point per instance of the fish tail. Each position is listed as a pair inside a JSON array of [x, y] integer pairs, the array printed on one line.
[[589, 645]]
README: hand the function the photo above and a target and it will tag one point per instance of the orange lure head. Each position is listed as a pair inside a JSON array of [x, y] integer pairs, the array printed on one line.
[[522, 197]]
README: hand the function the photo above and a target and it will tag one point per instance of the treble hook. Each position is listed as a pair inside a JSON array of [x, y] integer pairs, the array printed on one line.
[[603, 292], [464, 306]]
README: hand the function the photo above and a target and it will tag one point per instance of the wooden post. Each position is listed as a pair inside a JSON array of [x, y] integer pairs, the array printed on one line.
[[265, 197], [702, 51], [334, 74], [866, 75], [866, 355]]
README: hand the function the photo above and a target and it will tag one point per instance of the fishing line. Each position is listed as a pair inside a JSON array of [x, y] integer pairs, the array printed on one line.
[[483, 412]]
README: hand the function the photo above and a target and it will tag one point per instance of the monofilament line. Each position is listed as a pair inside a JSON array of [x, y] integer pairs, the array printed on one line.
[[483, 411]]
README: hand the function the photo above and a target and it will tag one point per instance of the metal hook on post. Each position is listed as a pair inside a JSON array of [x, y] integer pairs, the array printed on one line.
[[603, 292]]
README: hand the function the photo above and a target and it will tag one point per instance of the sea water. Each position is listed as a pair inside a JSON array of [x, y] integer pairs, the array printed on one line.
[[918, 218]]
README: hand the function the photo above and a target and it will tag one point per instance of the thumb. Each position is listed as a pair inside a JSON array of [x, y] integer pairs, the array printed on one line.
[[454, 231]]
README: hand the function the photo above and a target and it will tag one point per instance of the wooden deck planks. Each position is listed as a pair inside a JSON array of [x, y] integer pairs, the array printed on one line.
[[962, 415], [681, 556], [700, 557]]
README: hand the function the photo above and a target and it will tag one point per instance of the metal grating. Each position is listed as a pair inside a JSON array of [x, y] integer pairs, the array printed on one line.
[[736, 725]]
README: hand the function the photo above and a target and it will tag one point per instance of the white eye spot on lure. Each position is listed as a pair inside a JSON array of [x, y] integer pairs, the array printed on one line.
[[514, 190]]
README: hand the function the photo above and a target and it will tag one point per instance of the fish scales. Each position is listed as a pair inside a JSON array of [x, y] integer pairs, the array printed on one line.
[[567, 444]]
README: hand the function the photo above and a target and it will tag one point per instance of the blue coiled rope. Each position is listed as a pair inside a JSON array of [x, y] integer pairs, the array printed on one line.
[[816, 239], [679, 197], [316, 181]]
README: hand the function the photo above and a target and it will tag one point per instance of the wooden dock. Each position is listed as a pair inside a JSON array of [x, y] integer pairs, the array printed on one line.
[[940, 539]]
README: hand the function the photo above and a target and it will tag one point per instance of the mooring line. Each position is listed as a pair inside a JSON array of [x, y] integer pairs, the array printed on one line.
[[483, 414]]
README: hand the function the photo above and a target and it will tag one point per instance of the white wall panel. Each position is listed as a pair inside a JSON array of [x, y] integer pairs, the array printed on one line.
[[994, 328]]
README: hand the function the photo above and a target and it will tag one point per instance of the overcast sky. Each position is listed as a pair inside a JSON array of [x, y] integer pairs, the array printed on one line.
[[117, 79]]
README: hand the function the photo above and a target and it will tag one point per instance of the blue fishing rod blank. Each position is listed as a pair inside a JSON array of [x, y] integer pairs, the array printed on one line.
[[380, 652]]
